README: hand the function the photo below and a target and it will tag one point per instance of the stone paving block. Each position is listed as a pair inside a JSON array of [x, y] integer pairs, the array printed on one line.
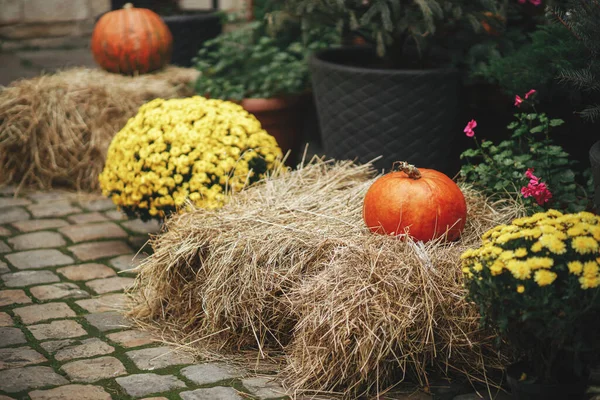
[[39, 224], [4, 232], [87, 218], [52, 196], [138, 226], [9, 190], [264, 387], [53, 209], [98, 204], [13, 214], [144, 384], [204, 374], [37, 240], [12, 202], [19, 357], [42, 312], [62, 329], [3, 397], [83, 349], [5, 319], [132, 338], [127, 261], [88, 232], [3, 267], [109, 302], [95, 369], [34, 259], [86, 272], [79, 392], [116, 215], [52, 346], [107, 321], [213, 393], [154, 358], [63, 290], [20, 379], [106, 285], [140, 243], [11, 336], [97, 250], [4, 248], [28, 278], [10, 297]]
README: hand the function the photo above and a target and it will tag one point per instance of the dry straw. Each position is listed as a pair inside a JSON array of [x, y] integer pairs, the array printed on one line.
[[55, 129], [288, 266]]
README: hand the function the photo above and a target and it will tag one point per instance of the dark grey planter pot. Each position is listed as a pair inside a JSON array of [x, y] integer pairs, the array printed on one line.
[[406, 115], [595, 164]]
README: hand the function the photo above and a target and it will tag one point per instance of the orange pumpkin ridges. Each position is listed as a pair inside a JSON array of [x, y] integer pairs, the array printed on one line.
[[422, 202], [131, 41]]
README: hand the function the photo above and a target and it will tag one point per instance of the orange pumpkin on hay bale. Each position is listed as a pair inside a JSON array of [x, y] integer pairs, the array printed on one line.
[[288, 266]]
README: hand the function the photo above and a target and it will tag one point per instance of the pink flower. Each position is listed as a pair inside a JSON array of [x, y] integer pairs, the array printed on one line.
[[518, 101], [536, 189], [469, 128], [530, 93], [534, 2]]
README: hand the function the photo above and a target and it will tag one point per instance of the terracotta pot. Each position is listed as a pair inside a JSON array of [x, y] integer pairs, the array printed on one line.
[[281, 117]]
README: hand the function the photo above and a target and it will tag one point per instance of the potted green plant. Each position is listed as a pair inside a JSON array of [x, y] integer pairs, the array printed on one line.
[[268, 75], [398, 98], [189, 28], [536, 282]]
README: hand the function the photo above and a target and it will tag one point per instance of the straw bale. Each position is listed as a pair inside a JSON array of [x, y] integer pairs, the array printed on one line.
[[55, 129], [288, 266]]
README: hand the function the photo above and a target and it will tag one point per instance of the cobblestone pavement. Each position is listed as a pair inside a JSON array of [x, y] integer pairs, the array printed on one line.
[[65, 260]]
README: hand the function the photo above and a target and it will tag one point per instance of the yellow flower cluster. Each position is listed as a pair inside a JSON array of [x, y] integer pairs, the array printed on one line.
[[193, 148], [541, 248]]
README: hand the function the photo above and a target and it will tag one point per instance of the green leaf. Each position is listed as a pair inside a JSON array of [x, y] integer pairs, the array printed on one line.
[[556, 122], [537, 129]]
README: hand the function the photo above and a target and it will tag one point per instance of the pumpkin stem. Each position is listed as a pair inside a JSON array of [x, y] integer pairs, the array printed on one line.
[[408, 169], [127, 6]]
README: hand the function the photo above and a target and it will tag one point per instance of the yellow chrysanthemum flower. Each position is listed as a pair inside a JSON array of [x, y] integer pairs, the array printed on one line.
[[553, 243], [575, 267], [520, 288], [519, 269], [544, 277], [584, 244], [521, 252]]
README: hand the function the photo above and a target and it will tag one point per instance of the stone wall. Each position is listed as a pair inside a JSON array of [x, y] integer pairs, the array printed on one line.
[[63, 23]]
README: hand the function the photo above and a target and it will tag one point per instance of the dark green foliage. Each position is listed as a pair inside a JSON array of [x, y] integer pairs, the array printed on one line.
[[582, 19], [534, 64], [249, 62], [397, 27]]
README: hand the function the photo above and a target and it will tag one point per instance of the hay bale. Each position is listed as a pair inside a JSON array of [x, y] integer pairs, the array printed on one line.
[[55, 129], [289, 266]]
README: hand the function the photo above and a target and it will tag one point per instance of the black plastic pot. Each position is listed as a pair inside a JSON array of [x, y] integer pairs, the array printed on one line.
[[595, 164], [365, 112], [190, 30], [524, 390]]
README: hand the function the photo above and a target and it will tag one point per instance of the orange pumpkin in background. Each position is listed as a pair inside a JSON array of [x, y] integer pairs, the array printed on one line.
[[421, 202], [131, 41]]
